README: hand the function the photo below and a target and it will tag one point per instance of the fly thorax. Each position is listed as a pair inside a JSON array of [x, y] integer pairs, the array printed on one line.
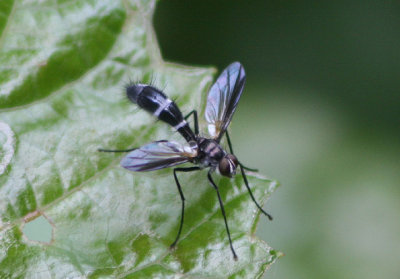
[[210, 152]]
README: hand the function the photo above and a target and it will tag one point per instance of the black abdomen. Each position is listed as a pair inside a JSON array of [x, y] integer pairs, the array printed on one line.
[[156, 102]]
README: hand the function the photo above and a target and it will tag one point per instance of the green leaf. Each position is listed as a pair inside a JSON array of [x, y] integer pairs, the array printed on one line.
[[63, 68]]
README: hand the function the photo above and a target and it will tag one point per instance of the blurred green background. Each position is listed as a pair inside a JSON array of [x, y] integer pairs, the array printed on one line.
[[320, 113]]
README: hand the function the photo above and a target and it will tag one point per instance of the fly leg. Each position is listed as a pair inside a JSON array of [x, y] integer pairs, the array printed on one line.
[[196, 122], [242, 168], [182, 199], [249, 169], [235, 257], [231, 150], [251, 194]]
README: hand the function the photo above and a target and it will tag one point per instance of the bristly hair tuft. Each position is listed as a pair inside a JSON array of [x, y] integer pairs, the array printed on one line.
[[152, 79], [148, 79]]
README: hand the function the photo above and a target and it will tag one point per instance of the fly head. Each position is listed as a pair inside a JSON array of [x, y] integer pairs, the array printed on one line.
[[227, 165]]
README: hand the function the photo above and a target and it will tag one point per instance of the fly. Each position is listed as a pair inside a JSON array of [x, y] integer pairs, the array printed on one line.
[[203, 152]]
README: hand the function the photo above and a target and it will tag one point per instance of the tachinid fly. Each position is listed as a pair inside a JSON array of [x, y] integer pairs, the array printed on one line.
[[222, 100]]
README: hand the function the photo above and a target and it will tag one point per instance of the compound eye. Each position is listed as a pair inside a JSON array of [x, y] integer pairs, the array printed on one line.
[[227, 166], [233, 160], [224, 167]]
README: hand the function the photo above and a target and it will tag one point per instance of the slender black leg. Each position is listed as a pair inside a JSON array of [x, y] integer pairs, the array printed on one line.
[[118, 150], [242, 168], [231, 150], [229, 141], [196, 122], [249, 169], [223, 214], [251, 194], [182, 198]]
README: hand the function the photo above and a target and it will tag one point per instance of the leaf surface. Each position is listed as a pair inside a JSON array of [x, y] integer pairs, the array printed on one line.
[[63, 65]]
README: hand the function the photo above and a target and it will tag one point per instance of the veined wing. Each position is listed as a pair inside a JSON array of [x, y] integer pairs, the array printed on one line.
[[158, 155], [223, 98]]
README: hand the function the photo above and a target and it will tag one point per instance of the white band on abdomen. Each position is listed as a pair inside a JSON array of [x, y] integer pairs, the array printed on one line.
[[162, 107], [180, 125]]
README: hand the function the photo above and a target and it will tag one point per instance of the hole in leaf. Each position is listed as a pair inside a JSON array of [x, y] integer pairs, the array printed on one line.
[[39, 230]]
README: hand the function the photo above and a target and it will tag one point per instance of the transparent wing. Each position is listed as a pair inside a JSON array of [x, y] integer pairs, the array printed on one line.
[[223, 98], [157, 155]]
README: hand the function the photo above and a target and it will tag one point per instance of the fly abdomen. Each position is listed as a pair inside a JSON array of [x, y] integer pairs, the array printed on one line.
[[156, 102]]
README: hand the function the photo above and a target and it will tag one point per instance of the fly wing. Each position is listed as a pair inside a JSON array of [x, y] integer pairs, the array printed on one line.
[[223, 98], [157, 155]]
